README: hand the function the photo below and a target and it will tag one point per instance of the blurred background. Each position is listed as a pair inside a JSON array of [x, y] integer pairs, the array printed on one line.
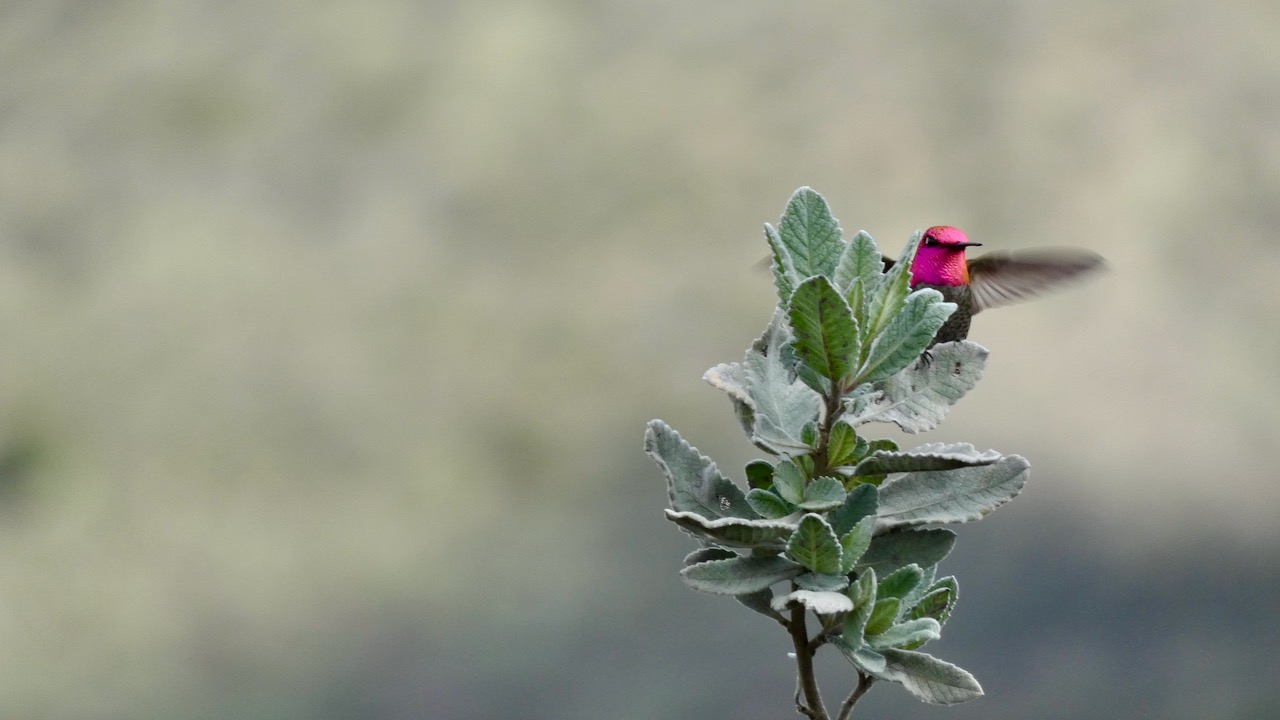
[[331, 329]]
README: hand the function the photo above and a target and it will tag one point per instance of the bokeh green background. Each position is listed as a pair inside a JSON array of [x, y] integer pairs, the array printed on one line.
[[331, 329]]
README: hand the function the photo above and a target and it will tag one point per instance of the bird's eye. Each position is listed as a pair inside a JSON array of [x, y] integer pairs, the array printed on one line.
[[930, 241]]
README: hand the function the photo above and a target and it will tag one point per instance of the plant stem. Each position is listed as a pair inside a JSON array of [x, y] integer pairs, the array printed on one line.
[[812, 705], [864, 684]]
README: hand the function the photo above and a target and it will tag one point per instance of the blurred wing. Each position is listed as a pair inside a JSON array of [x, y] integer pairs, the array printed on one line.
[[999, 279]]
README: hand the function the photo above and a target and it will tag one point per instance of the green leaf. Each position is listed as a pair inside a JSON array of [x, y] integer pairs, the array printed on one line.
[[812, 379], [910, 632], [859, 653], [951, 496], [918, 398], [782, 405], [842, 444], [900, 582], [868, 660], [768, 504], [931, 456], [859, 503], [739, 576], [762, 602], [928, 678], [814, 545], [855, 542], [732, 379], [785, 277], [860, 262], [888, 298], [863, 595], [788, 482], [759, 474], [858, 298], [805, 463], [906, 336], [694, 484], [824, 493], [809, 434], [882, 616], [735, 532], [819, 582], [810, 234], [821, 603], [938, 601], [898, 548], [914, 595], [863, 588], [826, 335], [707, 553], [881, 445], [860, 449]]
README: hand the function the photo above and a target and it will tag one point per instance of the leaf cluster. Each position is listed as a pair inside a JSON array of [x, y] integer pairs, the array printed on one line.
[[831, 523]]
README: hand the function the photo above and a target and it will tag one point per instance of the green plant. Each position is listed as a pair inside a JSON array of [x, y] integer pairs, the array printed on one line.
[[831, 526]]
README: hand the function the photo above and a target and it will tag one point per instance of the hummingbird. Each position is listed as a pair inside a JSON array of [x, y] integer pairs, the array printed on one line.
[[992, 280]]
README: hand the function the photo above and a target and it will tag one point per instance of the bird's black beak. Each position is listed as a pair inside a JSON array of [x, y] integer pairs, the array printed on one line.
[[969, 244]]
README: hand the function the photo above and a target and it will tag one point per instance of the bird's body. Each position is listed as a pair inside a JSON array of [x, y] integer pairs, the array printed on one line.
[[991, 280], [957, 326]]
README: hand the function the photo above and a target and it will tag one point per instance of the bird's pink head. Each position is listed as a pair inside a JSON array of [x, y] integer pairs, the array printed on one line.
[[940, 258]]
